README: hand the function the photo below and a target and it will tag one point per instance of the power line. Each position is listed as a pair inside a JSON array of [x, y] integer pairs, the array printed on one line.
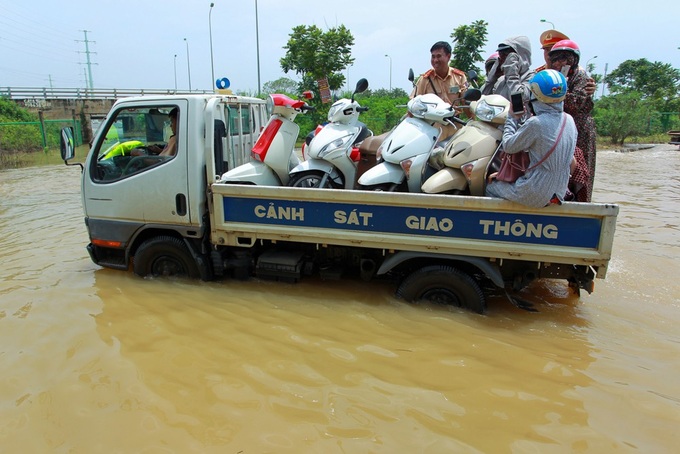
[[36, 27], [27, 43]]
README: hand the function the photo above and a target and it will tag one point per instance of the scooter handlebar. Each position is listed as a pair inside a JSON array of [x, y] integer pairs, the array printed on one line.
[[458, 120], [362, 109]]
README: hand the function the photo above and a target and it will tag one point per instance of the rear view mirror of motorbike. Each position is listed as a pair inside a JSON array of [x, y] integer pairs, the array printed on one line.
[[472, 94], [517, 103]]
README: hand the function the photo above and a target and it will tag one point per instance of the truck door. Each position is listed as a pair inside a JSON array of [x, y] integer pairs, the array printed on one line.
[[127, 179]]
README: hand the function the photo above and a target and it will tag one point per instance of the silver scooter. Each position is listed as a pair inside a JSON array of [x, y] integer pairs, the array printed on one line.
[[468, 158], [331, 157]]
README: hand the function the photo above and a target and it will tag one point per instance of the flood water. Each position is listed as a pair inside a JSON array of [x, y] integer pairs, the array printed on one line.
[[95, 360]]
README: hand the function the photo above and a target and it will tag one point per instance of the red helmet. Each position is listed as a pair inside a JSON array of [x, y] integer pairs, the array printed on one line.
[[490, 61], [566, 45], [493, 56]]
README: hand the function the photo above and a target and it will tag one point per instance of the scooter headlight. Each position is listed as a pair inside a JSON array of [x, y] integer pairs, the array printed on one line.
[[417, 107], [333, 111], [487, 112], [339, 143]]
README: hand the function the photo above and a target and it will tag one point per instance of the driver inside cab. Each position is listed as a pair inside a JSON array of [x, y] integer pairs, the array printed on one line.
[[170, 148]]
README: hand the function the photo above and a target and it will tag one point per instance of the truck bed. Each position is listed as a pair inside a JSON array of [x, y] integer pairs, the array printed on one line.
[[571, 233]]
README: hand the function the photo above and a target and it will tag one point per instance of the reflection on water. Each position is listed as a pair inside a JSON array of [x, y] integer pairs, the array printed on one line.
[[98, 360]]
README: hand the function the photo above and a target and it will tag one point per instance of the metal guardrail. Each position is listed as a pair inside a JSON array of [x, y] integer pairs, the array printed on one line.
[[80, 93]]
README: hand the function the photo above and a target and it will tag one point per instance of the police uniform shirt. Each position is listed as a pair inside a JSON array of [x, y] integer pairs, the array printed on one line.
[[449, 88]]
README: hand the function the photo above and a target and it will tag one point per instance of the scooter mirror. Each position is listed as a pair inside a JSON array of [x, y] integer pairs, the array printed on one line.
[[411, 76], [472, 74], [362, 85], [472, 94]]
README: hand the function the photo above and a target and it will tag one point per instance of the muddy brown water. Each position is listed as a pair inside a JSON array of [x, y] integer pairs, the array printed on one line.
[[95, 360]]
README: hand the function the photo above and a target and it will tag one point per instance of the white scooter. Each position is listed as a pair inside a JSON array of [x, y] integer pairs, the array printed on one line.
[[331, 157], [467, 159], [403, 156], [273, 154]]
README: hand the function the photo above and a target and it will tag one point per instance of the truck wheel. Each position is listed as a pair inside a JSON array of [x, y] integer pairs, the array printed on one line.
[[165, 256], [312, 180], [443, 285]]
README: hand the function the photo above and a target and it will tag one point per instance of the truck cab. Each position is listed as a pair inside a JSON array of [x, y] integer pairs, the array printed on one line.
[[130, 191]]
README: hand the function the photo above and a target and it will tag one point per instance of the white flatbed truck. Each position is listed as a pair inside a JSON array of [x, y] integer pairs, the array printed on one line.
[[173, 216]]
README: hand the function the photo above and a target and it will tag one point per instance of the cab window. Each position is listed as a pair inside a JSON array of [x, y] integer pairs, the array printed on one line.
[[135, 140]]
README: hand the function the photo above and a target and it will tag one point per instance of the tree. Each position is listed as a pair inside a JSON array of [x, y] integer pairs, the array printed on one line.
[[623, 115], [281, 85], [658, 81], [315, 55], [468, 41]]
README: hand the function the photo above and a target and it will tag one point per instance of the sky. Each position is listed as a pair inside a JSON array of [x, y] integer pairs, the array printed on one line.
[[166, 44]]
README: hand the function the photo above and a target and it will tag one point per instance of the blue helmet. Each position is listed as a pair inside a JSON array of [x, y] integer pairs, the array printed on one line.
[[549, 86]]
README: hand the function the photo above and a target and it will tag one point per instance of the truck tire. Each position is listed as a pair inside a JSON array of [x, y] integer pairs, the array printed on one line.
[[444, 285], [312, 180], [165, 256]]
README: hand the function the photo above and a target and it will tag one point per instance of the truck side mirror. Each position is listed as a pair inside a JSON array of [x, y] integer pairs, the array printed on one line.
[[67, 146]]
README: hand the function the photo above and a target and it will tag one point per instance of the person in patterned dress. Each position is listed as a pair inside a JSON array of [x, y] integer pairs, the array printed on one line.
[[564, 57]]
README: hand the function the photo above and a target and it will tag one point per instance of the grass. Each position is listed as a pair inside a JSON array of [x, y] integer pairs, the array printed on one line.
[[605, 143], [15, 160]]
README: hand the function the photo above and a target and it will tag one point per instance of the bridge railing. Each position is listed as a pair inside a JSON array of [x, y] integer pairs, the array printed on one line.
[[81, 93]]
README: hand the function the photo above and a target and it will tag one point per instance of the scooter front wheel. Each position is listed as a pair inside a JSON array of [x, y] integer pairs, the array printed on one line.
[[312, 180]]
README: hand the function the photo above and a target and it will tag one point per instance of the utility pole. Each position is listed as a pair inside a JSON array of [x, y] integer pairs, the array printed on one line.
[[606, 65], [188, 63], [89, 82], [257, 44]]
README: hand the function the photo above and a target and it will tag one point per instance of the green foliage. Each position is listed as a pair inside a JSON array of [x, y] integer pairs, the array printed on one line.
[[10, 111], [384, 111], [382, 92], [623, 115], [281, 85], [315, 55], [468, 41], [386, 108], [14, 136], [659, 81], [643, 101]]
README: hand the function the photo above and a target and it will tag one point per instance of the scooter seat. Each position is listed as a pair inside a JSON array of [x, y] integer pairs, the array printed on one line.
[[370, 145]]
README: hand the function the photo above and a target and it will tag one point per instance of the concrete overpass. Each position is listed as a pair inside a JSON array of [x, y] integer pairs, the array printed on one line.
[[74, 103]]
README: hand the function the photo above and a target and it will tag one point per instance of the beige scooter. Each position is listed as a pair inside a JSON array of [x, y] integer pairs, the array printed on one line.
[[467, 159]]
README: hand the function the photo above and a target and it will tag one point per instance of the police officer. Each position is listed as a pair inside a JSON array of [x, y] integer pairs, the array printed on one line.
[[444, 81]]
